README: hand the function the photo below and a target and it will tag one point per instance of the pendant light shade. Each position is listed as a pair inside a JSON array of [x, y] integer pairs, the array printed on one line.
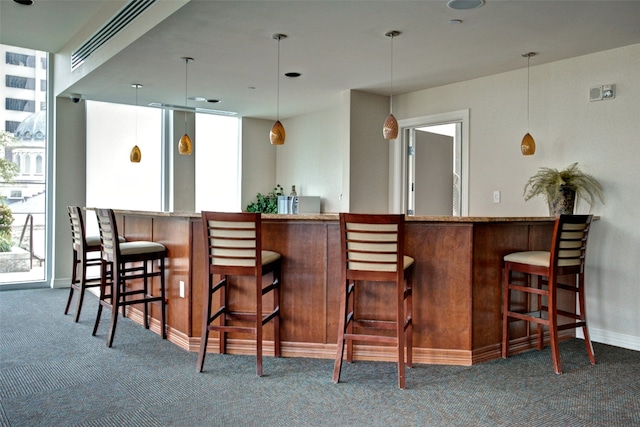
[[185, 147], [136, 155], [528, 144], [390, 127], [277, 134]]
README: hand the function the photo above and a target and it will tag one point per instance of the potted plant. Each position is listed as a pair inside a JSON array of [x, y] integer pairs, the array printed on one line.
[[560, 188], [266, 203]]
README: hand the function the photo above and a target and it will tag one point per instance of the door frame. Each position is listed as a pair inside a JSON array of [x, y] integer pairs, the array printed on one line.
[[398, 158]]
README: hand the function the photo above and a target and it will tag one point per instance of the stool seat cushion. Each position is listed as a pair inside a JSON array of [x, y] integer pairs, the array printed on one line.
[[140, 247], [540, 258], [95, 240], [408, 262], [269, 256]]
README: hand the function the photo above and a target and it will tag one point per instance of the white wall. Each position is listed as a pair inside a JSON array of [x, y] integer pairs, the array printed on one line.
[[313, 154], [69, 182], [369, 154], [602, 136], [258, 162]]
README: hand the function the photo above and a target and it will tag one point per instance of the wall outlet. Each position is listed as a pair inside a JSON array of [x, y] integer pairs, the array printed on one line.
[[181, 289], [496, 196]]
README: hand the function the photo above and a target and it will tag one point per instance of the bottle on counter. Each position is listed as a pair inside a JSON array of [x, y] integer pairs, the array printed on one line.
[[293, 191]]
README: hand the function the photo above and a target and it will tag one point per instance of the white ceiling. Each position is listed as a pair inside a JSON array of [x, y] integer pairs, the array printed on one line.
[[337, 45]]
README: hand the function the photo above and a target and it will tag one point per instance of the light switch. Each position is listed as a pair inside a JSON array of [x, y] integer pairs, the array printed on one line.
[[496, 196]]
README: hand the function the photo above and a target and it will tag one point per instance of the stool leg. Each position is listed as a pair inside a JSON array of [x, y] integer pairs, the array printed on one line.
[[73, 281], [258, 326], [553, 328], [103, 293], [506, 295], [400, 338], [223, 317], [145, 281], [350, 316], [204, 336], [276, 320], [163, 308], [583, 318], [115, 302], [337, 367], [83, 287], [409, 317], [540, 331]]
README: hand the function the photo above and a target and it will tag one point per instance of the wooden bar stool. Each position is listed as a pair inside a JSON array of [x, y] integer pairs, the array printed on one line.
[[128, 261], [542, 270], [233, 247], [372, 248], [86, 253]]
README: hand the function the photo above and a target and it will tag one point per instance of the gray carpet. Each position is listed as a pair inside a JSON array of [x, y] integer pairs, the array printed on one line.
[[54, 373]]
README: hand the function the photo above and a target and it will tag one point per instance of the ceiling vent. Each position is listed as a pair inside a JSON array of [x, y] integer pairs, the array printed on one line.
[[124, 17]]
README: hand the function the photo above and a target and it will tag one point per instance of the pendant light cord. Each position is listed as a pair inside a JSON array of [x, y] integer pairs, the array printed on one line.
[[278, 84], [186, 74], [528, 90], [137, 86], [392, 35], [391, 73]]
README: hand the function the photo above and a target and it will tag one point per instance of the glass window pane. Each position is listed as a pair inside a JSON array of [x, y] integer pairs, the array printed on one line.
[[217, 160], [113, 181], [23, 146]]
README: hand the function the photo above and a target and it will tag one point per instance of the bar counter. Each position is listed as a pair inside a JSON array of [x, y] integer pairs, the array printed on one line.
[[456, 287]]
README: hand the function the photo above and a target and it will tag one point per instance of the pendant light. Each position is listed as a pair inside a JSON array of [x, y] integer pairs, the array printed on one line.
[[390, 128], [277, 134], [528, 145], [135, 156], [185, 147]]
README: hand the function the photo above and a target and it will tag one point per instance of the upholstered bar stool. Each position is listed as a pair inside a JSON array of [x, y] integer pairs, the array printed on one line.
[[129, 261], [233, 247], [86, 253], [372, 250], [541, 283]]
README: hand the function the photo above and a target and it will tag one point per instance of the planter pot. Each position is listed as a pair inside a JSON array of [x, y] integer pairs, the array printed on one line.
[[18, 260], [564, 203]]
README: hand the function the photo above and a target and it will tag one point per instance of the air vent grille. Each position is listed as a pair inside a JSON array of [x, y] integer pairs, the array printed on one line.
[[124, 17]]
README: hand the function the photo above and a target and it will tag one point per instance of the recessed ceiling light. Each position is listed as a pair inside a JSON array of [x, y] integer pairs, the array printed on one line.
[[292, 74], [24, 2], [197, 98], [464, 4], [213, 101], [455, 21]]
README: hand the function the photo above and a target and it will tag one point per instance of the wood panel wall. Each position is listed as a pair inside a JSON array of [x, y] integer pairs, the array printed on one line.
[[457, 284]]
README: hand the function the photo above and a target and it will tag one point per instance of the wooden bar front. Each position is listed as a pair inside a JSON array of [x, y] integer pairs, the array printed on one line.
[[456, 292]]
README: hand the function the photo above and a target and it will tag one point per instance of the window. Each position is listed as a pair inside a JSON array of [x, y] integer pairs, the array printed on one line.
[[23, 60], [19, 105], [26, 194], [43, 63], [20, 82], [138, 185], [112, 131], [11, 126], [217, 189]]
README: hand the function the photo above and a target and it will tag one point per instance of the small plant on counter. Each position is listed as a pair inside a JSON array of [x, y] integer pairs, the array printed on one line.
[[266, 203], [556, 186]]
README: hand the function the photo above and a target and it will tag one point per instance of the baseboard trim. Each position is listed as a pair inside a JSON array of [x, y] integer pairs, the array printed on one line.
[[629, 342]]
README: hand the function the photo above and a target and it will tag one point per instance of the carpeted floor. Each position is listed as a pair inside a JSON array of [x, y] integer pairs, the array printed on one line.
[[54, 373]]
